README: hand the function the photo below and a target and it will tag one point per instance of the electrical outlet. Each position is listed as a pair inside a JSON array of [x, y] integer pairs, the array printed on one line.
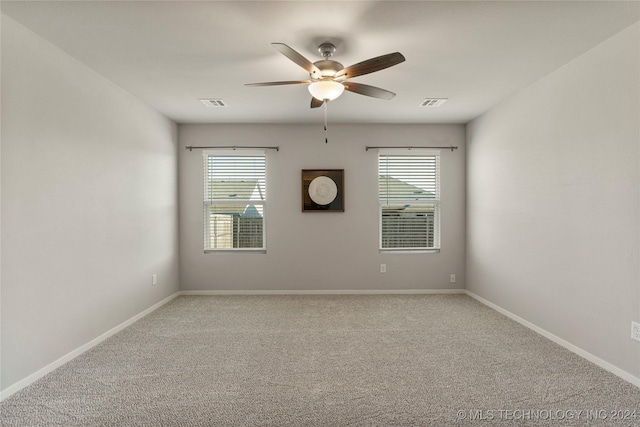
[[154, 279], [383, 268], [452, 278], [635, 331]]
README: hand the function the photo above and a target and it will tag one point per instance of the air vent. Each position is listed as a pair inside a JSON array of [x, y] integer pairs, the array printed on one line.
[[433, 102], [213, 102]]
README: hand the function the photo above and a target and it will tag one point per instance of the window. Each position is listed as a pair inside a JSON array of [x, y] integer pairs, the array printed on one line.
[[409, 199], [234, 201]]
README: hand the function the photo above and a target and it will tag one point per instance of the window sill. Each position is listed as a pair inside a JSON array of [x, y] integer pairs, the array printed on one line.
[[236, 251], [409, 251]]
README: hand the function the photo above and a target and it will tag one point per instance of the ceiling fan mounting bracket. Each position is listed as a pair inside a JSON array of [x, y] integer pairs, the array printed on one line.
[[327, 49]]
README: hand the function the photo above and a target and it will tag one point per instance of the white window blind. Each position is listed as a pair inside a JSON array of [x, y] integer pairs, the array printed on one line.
[[234, 201], [409, 199]]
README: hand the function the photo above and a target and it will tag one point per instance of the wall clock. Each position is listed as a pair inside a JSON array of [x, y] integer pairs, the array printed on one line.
[[323, 190]]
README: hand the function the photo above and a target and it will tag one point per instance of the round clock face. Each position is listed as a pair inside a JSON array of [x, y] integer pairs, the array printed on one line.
[[323, 190]]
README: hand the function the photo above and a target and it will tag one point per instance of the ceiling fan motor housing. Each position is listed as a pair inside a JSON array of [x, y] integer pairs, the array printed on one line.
[[328, 67]]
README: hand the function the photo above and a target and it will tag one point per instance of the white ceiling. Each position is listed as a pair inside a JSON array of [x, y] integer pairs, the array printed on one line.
[[172, 53]]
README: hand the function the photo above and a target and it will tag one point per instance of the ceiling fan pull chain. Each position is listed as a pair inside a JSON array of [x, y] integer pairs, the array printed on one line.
[[326, 140]]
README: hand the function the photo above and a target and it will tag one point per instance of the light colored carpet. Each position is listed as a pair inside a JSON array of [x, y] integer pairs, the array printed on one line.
[[347, 360]]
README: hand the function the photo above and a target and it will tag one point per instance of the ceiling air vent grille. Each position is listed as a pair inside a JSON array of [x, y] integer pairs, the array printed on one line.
[[433, 102], [213, 102]]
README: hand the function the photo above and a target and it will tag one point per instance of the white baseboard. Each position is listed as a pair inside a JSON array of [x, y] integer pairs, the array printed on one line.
[[78, 351], [577, 350], [328, 292]]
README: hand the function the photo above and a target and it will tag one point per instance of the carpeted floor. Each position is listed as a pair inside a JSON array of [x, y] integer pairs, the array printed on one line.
[[340, 360]]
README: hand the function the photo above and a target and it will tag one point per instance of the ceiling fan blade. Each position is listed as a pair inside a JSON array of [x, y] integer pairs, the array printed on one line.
[[367, 90], [288, 82], [315, 103], [297, 58], [371, 65]]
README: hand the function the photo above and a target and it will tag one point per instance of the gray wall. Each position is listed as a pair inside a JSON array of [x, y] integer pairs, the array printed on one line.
[[553, 202], [89, 204], [321, 251]]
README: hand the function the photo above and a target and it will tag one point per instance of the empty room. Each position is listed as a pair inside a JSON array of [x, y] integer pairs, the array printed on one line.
[[319, 213]]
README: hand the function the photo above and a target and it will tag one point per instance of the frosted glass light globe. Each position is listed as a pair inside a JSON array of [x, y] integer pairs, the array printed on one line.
[[326, 90]]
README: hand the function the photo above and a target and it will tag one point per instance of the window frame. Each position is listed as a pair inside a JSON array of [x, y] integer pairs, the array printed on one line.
[[208, 203], [435, 202]]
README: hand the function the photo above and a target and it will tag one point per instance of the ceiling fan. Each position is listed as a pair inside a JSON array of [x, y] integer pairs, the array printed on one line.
[[328, 79]]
